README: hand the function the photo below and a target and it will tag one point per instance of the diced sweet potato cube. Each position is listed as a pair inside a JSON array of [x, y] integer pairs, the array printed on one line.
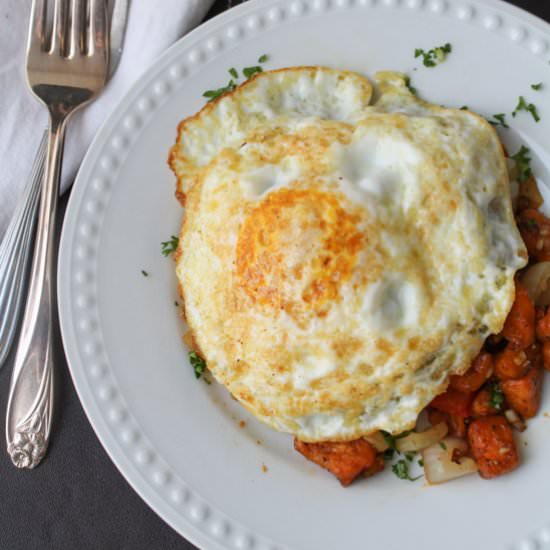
[[523, 394], [492, 446], [346, 460]]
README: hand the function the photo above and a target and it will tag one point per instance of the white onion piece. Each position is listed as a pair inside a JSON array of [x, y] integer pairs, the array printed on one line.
[[438, 461], [514, 419], [377, 440], [536, 280], [416, 441]]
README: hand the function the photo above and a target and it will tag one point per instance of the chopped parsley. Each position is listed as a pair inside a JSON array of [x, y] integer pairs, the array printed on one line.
[[442, 445], [421, 463], [464, 108], [251, 71], [523, 163], [211, 95], [497, 397], [144, 273], [435, 56], [524, 106], [409, 456], [401, 470], [168, 247], [198, 364], [411, 89], [214, 94], [499, 120], [536, 87]]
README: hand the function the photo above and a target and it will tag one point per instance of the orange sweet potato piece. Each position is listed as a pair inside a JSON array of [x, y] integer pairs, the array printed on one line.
[[546, 355], [481, 405], [519, 327], [377, 466], [492, 446], [534, 227], [523, 394], [453, 402], [346, 460], [480, 370], [511, 363], [543, 324]]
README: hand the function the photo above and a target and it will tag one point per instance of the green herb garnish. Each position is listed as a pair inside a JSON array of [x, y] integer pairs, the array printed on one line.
[[497, 397], [464, 108], [499, 120], [144, 273], [409, 456], [523, 163], [536, 87], [421, 463], [263, 58], [168, 247], [411, 89], [251, 71], [433, 57], [198, 364], [233, 72], [524, 106], [442, 445], [391, 439], [401, 470], [214, 94]]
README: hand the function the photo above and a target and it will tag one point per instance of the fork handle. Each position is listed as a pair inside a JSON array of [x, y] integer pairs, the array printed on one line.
[[30, 401], [15, 254]]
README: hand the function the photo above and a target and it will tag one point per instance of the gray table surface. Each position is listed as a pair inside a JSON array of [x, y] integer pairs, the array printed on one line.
[[77, 499]]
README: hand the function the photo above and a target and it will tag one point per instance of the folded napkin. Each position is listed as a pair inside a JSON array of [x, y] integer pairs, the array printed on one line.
[[152, 26]]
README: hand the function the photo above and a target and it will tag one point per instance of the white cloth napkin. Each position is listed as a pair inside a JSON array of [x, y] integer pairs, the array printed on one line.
[[152, 26]]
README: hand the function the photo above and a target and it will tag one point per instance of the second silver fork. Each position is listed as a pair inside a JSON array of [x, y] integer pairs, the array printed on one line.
[[66, 68]]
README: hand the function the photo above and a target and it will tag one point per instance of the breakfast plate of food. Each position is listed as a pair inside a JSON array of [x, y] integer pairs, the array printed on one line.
[[305, 272]]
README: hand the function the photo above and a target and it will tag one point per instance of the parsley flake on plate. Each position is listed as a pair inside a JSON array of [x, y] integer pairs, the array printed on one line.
[[536, 87], [528, 107], [168, 247], [144, 273], [411, 89], [401, 470], [214, 94], [249, 72], [442, 445], [435, 56], [499, 120], [198, 364], [523, 163]]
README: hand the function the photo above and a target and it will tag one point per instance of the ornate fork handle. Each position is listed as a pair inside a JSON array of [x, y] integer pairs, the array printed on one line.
[[30, 402]]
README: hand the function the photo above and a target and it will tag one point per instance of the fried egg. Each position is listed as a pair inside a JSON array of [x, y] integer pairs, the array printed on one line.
[[341, 257]]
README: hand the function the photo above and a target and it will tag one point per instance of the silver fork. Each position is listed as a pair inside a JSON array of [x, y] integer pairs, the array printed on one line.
[[66, 68], [16, 246]]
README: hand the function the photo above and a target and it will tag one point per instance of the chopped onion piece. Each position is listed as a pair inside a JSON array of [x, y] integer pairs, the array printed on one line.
[[536, 280], [416, 441], [514, 419], [377, 440], [438, 461]]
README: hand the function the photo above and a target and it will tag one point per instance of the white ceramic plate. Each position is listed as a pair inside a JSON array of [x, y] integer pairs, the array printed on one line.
[[177, 440]]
